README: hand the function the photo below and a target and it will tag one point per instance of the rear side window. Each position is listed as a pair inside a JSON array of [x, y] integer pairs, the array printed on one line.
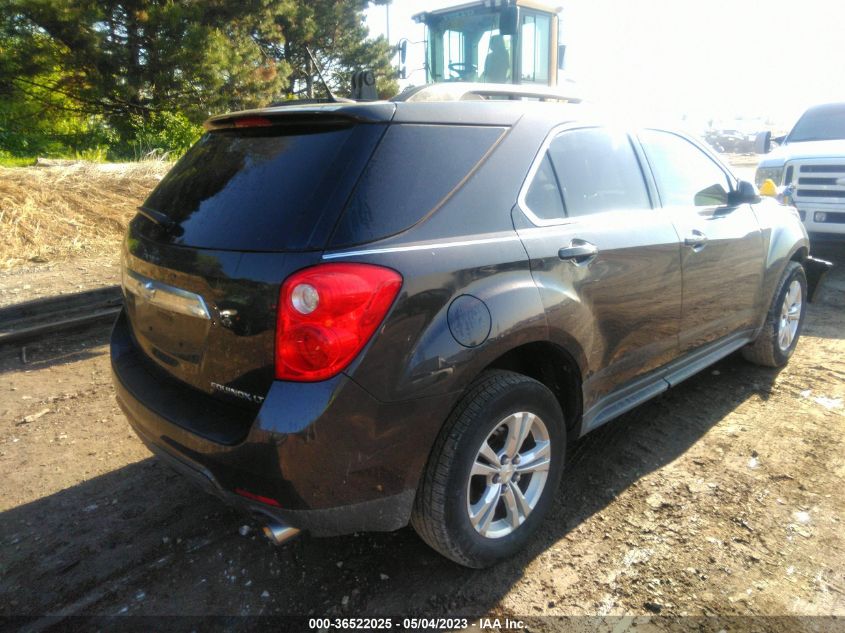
[[267, 189], [598, 171], [685, 175], [413, 169]]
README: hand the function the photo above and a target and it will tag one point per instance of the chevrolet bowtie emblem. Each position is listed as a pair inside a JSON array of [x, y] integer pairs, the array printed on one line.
[[148, 290]]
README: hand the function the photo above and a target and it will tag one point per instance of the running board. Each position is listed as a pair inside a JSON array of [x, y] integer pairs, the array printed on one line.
[[644, 389]]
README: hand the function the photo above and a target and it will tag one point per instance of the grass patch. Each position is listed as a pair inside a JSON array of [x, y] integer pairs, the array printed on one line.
[[16, 161], [66, 210]]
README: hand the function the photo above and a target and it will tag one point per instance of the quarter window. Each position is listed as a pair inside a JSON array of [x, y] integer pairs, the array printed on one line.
[[543, 196], [411, 172], [685, 175]]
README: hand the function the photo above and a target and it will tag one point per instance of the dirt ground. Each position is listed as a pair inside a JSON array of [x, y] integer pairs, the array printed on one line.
[[721, 497], [37, 281]]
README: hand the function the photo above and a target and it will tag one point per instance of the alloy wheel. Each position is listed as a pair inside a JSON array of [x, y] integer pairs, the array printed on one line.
[[790, 316], [508, 475]]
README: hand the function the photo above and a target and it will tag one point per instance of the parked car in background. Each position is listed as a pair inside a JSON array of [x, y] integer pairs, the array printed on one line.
[[810, 162], [351, 316], [731, 141]]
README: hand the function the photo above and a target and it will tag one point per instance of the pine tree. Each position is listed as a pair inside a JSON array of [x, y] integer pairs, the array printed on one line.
[[137, 63]]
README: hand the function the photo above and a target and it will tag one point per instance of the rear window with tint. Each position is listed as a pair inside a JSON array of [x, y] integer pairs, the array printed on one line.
[[266, 189], [414, 168]]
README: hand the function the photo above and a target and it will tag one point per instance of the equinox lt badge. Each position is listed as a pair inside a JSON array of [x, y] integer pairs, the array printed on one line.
[[237, 393]]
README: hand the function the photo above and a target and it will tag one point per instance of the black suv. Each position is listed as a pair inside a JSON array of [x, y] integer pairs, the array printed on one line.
[[350, 317]]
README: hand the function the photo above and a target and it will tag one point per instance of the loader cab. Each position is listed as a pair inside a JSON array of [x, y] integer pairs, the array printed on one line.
[[494, 41]]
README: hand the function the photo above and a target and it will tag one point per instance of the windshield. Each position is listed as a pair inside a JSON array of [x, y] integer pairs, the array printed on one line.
[[468, 46], [822, 123]]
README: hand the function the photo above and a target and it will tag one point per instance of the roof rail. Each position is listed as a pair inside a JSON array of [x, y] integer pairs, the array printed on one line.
[[466, 91]]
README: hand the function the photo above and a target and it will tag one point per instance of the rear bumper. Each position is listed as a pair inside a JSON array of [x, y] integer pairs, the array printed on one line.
[[335, 459]]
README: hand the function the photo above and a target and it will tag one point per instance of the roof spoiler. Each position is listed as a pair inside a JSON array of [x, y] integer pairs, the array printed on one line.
[[304, 113]]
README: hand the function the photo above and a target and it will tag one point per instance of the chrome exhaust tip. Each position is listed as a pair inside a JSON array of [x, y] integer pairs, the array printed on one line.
[[279, 533]]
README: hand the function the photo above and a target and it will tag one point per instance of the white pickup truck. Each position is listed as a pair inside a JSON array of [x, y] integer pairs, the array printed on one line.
[[809, 166]]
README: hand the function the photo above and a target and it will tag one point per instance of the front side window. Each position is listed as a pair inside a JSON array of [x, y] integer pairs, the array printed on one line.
[[685, 175]]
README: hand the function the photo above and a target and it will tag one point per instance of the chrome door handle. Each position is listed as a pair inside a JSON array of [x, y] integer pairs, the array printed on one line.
[[697, 240], [578, 252]]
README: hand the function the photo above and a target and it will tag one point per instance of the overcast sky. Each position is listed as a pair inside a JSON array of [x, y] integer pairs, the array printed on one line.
[[714, 59]]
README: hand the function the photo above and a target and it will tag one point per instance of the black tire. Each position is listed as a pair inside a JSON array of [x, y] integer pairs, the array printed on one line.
[[766, 350], [440, 515]]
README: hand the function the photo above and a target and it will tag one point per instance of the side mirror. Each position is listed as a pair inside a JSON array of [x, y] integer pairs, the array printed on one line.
[[745, 193], [561, 55], [763, 143], [713, 196]]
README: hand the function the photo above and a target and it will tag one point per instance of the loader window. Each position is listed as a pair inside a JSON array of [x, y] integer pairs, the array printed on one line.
[[454, 44], [469, 46], [535, 36]]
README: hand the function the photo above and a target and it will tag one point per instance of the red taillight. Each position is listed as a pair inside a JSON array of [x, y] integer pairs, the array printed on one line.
[[253, 121], [327, 314]]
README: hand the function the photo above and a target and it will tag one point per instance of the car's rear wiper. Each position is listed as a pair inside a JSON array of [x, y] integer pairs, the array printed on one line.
[[157, 217]]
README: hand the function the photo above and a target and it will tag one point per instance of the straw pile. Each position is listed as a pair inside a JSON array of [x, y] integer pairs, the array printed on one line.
[[62, 211]]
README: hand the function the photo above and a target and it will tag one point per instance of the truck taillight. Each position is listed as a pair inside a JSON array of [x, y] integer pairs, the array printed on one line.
[[327, 314]]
